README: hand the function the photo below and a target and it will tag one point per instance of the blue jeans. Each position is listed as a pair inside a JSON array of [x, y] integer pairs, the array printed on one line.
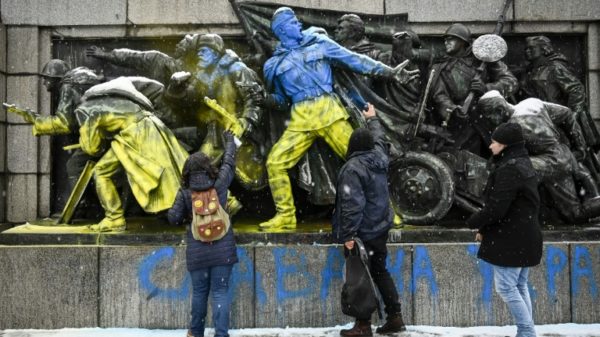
[[216, 280], [511, 285]]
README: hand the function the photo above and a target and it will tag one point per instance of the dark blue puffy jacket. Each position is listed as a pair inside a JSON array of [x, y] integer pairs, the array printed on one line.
[[206, 254], [362, 207]]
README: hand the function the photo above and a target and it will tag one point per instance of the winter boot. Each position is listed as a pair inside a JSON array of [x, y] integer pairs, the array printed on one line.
[[393, 324], [360, 329]]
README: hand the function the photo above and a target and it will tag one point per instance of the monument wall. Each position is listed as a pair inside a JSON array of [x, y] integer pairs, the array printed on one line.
[[29, 28]]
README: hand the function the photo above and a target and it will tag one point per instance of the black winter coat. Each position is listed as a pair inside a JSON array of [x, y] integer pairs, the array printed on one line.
[[206, 254], [362, 207], [509, 220]]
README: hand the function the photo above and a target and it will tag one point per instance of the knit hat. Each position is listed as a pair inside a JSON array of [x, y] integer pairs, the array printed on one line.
[[281, 16], [361, 140], [508, 134]]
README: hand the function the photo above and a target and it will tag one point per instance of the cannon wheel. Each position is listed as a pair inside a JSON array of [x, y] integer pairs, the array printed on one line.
[[421, 187]]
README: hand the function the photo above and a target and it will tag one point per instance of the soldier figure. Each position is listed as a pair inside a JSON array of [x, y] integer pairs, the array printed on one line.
[[220, 74], [71, 85], [300, 73], [159, 66], [549, 78], [457, 76], [553, 161], [350, 33]]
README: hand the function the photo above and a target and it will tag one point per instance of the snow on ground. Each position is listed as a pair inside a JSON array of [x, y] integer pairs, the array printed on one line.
[[553, 330]]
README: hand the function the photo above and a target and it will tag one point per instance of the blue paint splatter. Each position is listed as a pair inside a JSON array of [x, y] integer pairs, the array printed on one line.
[[243, 273], [487, 273], [146, 268], [422, 269], [582, 268], [283, 270], [556, 263], [395, 270]]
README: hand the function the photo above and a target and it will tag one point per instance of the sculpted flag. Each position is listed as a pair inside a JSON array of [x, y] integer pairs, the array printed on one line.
[[318, 169]]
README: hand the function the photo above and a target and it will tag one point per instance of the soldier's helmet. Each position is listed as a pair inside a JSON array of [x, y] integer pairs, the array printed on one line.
[[55, 68], [460, 31], [213, 41]]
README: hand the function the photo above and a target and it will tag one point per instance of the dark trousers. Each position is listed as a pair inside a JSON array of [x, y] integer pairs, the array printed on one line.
[[377, 250]]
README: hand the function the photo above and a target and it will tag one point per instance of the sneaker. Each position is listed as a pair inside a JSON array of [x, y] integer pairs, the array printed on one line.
[[278, 223], [393, 324]]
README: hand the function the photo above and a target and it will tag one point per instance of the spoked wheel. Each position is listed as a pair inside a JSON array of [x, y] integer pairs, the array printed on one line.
[[421, 187]]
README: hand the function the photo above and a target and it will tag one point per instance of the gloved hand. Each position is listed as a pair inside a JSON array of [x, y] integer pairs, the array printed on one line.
[[404, 76], [228, 135], [477, 86], [95, 51]]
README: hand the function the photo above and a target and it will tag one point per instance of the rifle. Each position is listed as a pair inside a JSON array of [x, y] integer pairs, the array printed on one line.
[[424, 102], [464, 110], [228, 119], [28, 115]]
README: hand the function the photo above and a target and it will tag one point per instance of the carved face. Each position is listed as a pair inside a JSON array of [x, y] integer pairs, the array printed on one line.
[[496, 147], [206, 57], [344, 32], [292, 29], [50, 83], [454, 45], [533, 51]]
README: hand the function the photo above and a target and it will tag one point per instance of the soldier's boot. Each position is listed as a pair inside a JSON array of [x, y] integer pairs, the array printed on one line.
[[361, 328], [233, 205], [393, 324], [281, 190], [114, 215]]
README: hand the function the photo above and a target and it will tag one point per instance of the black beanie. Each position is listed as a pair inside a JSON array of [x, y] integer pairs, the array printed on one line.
[[361, 140], [508, 134]]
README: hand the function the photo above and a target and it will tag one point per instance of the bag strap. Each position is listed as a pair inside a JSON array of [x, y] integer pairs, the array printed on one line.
[[364, 257]]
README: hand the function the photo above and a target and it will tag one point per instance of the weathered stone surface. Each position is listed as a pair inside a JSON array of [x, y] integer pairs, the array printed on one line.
[[2, 43], [23, 92], [21, 197], [2, 96], [533, 27], [593, 46], [2, 197], [48, 287], [22, 49], [550, 10], [585, 282], [351, 6], [288, 286], [444, 11], [549, 286], [43, 195], [63, 12], [149, 287], [453, 288], [44, 154], [291, 291], [21, 149], [2, 147], [138, 285], [143, 12]]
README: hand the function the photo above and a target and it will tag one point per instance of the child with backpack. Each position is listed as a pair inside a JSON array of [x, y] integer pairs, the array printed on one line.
[[211, 248]]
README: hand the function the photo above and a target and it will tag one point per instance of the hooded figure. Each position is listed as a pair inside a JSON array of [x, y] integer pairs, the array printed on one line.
[[362, 210]]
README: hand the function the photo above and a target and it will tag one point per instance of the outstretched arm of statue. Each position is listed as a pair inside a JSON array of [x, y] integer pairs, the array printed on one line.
[[402, 75], [28, 115]]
